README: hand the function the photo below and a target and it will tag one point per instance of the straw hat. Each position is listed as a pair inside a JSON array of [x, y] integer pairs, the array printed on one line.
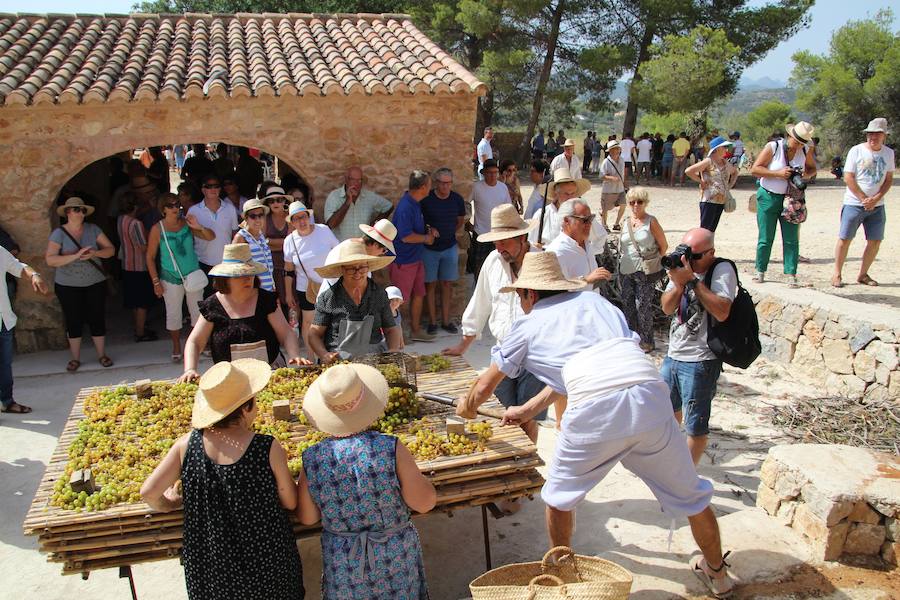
[[225, 386], [541, 271], [506, 223], [346, 399], [237, 262], [252, 204], [879, 125], [612, 144], [569, 142], [276, 192], [562, 175], [802, 131], [349, 252], [298, 207], [73, 203], [382, 232]]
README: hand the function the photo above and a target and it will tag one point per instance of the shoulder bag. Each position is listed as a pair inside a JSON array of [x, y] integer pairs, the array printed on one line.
[[312, 288], [795, 209], [195, 280], [651, 263]]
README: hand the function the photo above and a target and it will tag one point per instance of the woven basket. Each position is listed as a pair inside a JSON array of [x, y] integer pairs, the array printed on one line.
[[568, 577]]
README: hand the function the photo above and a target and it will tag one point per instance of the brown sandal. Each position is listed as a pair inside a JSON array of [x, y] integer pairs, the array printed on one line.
[[106, 361], [18, 409], [73, 365], [866, 280]]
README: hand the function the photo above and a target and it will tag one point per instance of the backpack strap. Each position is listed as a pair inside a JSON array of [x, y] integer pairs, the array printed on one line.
[[707, 279]]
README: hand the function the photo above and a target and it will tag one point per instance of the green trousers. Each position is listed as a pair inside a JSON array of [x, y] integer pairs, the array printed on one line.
[[768, 214]]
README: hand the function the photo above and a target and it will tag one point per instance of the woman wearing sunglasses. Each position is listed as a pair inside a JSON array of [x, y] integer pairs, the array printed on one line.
[[75, 251], [276, 230], [252, 233], [641, 246]]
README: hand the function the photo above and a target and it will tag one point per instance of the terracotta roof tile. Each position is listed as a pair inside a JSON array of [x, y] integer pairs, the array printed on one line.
[[132, 58]]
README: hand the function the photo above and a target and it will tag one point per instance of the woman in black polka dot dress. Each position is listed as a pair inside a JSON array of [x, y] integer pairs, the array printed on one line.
[[236, 488]]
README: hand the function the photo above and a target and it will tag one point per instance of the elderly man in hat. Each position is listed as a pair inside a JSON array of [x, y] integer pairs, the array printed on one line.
[[352, 205], [869, 174], [579, 242], [567, 160], [563, 187], [485, 197], [508, 235], [615, 415]]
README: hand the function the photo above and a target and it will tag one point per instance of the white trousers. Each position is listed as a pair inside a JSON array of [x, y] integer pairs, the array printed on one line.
[[174, 295]]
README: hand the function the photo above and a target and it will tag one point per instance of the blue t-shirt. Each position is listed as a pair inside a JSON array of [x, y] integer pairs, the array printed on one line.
[[408, 219], [442, 214]]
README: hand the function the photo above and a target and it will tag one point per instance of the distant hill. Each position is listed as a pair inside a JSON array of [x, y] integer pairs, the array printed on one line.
[[746, 99], [763, 83]]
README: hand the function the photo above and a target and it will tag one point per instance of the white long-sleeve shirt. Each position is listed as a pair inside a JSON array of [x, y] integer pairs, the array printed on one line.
[[10, 264], [487, 305], [560, 162]]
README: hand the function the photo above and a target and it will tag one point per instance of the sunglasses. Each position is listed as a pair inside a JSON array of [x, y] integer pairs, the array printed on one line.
[[633, 202], [75, 209], [584, 220], [172, 205], [355, 270], [212, 186], [256, 215], [276, 201], [699, 255]]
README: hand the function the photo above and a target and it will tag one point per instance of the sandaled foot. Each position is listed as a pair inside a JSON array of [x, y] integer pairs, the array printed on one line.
[[792, 281], [803, 259], [866, 280], [106, 361], [18, 409], [719, 587], [176, 358], [836, 282], [73, 365], [760, 277]]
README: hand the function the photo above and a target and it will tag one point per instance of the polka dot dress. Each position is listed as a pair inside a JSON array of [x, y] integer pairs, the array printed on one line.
[[354, 483], [238, 541]]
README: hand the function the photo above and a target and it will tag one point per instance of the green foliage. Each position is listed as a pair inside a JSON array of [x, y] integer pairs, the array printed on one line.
[[856, 81], [667, 123], [765, 119], [686, 73]]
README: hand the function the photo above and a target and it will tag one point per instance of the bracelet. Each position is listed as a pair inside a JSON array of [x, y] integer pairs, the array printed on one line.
[[156, 282]]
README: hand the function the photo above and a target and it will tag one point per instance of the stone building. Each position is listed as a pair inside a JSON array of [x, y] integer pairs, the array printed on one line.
[[319, 91]]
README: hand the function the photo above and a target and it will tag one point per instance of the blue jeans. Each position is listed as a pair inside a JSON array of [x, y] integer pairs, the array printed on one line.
[[6, 358], [692, 386], [519, 390]]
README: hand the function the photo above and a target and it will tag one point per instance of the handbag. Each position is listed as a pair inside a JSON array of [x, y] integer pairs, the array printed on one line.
[[751, 202], [195, 280], [795, 209], [312, 288], [730, 202], [649, 265]]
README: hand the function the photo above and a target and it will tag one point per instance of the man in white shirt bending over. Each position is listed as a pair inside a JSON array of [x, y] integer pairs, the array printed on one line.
[[485, 152], [567, 160]]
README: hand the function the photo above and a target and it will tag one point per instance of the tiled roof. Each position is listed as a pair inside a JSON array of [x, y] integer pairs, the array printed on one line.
[[87, 59]]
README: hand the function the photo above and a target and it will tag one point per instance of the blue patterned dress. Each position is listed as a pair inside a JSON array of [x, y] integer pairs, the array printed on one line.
[[370, 549]]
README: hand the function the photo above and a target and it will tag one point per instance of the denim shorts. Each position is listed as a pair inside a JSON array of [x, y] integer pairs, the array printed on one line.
[[441, 265], [517, 391], [692, 386], [873, 222]]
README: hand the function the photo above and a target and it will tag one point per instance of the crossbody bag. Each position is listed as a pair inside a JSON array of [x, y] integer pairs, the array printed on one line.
[[195, 280], [651, 264], [620, 201], [312, 288]]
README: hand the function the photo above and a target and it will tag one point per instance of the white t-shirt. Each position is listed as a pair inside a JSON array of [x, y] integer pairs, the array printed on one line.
[[484, 149], [311, 250], [738, 148], [644, 147], [484, 199], [687, 335], [223, 222], [617, 170], [627, 146], [870, 169]]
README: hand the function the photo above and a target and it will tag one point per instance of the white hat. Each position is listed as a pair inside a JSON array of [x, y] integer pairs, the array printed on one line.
[[506, 222], [254, 203], [382, 232], [225, 387], [298, 207], [393, 292], [541, 271], [878, 125], [802, 131], [346, 399], [569, 142], [612, 144], [276, 192]]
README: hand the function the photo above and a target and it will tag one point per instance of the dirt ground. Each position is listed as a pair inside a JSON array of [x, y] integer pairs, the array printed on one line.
[[677, 211]]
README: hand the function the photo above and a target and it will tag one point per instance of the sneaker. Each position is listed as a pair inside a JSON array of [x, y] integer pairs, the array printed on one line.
[[719, 587], [432, 329], [421, 336], [450, 328]]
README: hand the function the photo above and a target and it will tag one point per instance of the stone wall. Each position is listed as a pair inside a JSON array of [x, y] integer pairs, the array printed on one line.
[[846, 348], [318, 137]]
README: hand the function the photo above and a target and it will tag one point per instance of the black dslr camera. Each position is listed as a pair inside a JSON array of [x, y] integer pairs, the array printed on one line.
[[673, 259], [796, 178]]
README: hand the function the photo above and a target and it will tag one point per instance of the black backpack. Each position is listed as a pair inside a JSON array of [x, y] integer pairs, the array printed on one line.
[[736, 340]]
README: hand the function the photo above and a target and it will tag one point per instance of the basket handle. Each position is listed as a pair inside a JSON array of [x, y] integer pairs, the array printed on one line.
[[551, 580], [550, 559]]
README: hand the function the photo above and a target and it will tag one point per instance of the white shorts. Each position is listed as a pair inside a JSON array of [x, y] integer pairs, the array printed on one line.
[[659, 457], [175, 296]]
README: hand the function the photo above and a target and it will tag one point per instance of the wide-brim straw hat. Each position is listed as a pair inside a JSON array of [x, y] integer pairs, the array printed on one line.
[[612, 144], [225, 387], [252, 204], [346, 399], [506, 222], [878, 125], [569, 142], [562, 175], [237, 262], [276, 191], [74, 202], [351, 252], [541, 271], [382, 232], [298, 207], [802, 131]]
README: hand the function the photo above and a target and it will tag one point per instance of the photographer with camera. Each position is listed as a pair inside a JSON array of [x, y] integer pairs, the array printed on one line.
[[691, 368], [783, 166]]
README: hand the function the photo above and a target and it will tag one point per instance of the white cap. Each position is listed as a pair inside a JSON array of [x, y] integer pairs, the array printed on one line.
[[393, 293]]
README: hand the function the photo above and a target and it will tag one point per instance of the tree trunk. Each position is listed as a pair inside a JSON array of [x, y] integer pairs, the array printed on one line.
[[525, 145], [631, 109]]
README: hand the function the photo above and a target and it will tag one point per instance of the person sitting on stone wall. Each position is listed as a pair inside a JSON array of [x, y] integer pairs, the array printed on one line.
[[352, 205]]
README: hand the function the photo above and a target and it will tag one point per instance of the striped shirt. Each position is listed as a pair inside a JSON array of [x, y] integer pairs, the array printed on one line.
[[134, 244], [260, 252]]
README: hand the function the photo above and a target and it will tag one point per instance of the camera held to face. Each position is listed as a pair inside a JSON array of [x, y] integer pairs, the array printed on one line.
[[673, 259]]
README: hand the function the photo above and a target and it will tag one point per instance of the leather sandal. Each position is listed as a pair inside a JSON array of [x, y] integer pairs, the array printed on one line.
[[73, 365], [106, 361], [866, 280]]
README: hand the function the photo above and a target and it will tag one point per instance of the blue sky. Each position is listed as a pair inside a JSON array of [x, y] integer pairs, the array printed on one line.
[[827, 15]]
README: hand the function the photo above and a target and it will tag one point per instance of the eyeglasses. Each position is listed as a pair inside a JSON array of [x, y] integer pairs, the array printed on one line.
[[584, 220], [699, 255], [633, 202], [75, 209], [444, 182], [211, 186], [355, 270], [301, 215], [256, 215]]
